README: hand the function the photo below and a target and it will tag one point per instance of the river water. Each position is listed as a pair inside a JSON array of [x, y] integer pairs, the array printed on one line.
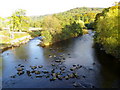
[[97, 70]]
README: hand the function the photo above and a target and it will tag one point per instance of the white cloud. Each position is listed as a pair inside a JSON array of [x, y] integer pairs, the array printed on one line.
[[40, 7]]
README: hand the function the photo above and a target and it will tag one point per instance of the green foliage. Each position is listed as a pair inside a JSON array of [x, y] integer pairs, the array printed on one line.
[[57, 29], [87, 15], [107, 30], [2, 23], [51, 23], [36, 21], [47, 39], [67, 24], [18, 21]]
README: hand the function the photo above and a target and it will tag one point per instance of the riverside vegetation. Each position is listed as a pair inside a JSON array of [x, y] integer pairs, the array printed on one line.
[[107, 30], [72, 23], [61, 26]]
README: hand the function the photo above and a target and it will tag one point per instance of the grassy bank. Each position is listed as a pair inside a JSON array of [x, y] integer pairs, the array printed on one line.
[[9, 39]]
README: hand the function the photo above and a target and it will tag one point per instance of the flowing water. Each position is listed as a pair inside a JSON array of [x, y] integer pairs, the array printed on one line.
[[97, 69]]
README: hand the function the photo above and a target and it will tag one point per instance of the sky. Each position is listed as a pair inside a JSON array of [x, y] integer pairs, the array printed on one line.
[[42, 7]]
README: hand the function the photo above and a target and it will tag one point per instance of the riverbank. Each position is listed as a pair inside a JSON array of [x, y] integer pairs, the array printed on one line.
[[13, 39], [59, 37]]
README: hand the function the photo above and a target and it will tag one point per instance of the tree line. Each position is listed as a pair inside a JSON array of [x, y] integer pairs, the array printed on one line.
[[107, 30]]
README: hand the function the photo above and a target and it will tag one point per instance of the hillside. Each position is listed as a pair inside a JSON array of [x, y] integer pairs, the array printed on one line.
[[87, 15]]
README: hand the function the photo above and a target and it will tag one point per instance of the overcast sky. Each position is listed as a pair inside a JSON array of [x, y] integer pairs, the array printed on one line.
[[42, 7]]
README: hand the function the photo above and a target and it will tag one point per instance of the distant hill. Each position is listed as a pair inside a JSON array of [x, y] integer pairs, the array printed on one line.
[[72, 12], [82, 10], [85, 14]]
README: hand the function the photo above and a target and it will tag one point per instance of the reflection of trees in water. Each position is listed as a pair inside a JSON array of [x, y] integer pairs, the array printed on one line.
[[21, 53], [58, 48], [109, 69]]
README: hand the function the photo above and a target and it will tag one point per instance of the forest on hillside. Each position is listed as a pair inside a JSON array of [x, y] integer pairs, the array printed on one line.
[[85, 14]]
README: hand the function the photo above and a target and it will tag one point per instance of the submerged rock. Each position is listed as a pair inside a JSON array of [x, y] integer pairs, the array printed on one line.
[[28, 73], [53, 64], [33, 71], [58, 73], [74, 65], [53, 79], [54, 56], [50, 56], [45, 71], [78, 66], [73, 68], [90, 69], [20, 69], [40, 66], [47, 76], [38, 76], [53, 70], [66, 77], [14, 76], [37, 72], [53, 74], [59, 77], [84, 76], [61, 55], [57, 60], [75, 75], [20, 72], [70, 75], [33, 67], [62, 69], [22, 66], [19, 64]]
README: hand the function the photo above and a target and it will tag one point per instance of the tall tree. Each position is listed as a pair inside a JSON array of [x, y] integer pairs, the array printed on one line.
[[19, 21], [2, 23]]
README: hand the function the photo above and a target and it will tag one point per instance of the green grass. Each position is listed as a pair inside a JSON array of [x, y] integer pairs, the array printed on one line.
[[5, 39], [5, 36]]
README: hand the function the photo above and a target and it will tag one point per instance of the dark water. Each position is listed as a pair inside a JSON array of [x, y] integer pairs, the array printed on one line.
[[98, 69]]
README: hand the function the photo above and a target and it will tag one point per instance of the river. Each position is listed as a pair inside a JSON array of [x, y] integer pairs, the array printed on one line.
[[97, 69]]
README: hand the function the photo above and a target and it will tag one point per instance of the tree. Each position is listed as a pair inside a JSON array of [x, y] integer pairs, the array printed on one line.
[[51, 23], [107, 30], [19, 21]]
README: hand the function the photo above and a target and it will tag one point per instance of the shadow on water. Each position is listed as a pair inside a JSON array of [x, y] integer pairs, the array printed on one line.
[[110, 68]]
